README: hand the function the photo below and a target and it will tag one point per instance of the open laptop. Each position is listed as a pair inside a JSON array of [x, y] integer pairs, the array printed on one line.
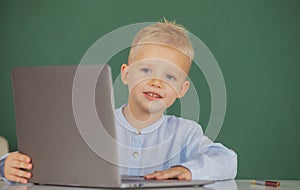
[[47, 127]]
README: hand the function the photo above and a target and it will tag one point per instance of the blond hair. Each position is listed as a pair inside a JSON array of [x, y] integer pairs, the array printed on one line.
[[164, 33]]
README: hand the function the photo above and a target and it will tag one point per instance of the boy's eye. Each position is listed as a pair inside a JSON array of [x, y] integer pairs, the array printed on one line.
[[146, 70], [171, 77]]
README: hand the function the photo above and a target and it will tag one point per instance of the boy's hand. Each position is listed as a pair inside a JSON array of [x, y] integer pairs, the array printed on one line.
[[178, 172], [13, 166]]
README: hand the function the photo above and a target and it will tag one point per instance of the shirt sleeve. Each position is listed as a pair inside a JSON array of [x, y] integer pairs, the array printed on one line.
[[2, 160], [208, 160]]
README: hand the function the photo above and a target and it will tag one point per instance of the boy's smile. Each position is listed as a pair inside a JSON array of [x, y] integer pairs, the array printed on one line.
[[155, 76], [152, 95]]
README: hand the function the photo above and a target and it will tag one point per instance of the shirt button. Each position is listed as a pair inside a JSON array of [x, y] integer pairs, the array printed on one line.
[[135, 154], [138, 132]]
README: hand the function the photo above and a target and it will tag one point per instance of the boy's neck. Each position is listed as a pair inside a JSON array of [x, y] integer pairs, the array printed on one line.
[[140, 120]]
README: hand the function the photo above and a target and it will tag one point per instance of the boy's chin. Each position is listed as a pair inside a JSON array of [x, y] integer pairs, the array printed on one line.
[[157, 107]]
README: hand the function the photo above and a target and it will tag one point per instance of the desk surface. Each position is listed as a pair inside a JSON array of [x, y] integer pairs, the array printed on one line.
[[223, 185]]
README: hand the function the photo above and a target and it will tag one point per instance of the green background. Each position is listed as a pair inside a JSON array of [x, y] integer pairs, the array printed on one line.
[[255, 42]]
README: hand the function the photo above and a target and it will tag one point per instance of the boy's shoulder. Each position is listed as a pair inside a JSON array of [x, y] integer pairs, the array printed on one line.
[[173, 120]]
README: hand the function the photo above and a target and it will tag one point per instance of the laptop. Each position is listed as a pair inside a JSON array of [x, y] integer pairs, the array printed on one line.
[[52, 111]]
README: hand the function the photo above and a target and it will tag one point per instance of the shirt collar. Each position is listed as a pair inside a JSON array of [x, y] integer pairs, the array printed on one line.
[[119, 116]]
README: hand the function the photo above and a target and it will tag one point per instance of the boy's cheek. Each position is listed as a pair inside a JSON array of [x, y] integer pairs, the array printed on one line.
[[136, 78], [143, 80], [176, 88]]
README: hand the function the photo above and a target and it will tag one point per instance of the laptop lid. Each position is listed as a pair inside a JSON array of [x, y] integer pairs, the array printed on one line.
[[46, 126]]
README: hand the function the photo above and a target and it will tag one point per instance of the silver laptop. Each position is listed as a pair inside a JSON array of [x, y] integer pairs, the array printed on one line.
[[47, 129]]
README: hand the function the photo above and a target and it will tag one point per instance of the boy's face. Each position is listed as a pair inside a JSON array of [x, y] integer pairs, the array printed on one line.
[[156, 76]]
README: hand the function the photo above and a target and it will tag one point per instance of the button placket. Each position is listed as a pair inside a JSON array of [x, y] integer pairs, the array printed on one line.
[[138, 142]]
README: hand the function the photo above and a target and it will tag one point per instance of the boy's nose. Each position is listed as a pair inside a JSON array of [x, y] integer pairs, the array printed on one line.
[[155, 82]]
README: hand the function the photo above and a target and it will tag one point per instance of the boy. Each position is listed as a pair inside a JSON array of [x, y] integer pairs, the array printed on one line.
[[158, 146]]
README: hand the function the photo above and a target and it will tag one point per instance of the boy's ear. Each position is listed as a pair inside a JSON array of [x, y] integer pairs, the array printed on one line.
[[184, 89], [124, 73]]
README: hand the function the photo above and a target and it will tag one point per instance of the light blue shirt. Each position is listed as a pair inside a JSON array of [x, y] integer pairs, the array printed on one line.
[[172, 141]]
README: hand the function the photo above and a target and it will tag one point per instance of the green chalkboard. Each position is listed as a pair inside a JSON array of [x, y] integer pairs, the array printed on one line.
[[255, 43]]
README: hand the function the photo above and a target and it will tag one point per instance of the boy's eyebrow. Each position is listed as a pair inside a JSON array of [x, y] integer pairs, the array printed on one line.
[[155, 60]]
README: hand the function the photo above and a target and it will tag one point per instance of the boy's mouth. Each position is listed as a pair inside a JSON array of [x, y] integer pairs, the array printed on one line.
[[152, 95]]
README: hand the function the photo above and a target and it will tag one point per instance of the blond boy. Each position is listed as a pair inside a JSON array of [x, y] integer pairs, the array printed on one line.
[[159, 146]]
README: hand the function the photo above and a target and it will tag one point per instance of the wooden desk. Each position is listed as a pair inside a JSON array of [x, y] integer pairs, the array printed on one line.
[[223, 185]]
